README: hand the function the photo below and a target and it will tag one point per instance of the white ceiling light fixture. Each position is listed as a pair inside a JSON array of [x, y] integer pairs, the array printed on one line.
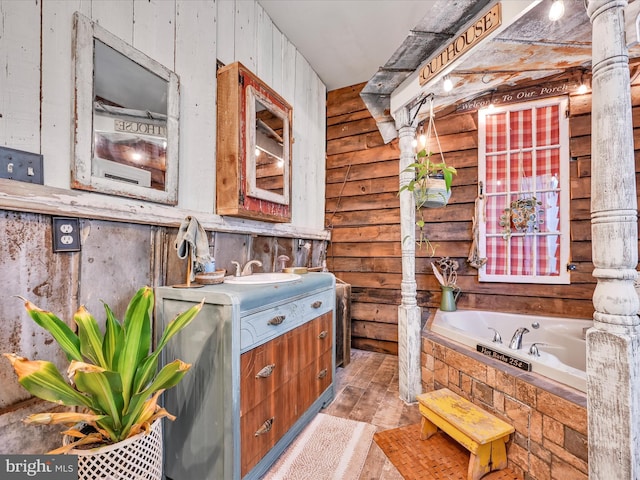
[[556, 11], [447, 84]]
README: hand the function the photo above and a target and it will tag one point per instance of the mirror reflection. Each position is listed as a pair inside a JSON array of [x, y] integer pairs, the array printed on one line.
[[268, 175], [129, 126], [269, 150], [126, 140]]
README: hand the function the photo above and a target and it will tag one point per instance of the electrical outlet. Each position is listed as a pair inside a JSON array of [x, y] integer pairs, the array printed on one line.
[[21, 166], [66, 234]]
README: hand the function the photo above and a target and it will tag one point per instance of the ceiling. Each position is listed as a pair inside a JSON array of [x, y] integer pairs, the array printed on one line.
[[384, 42], [346, 41]]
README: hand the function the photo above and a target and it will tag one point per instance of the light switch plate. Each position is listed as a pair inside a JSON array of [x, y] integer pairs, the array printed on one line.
[[21, 166], [66, 234]]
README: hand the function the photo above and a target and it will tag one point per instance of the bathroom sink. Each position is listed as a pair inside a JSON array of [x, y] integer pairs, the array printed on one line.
[[263, 278]]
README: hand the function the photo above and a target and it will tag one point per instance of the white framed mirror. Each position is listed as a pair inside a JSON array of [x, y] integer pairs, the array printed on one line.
[[126, 106]]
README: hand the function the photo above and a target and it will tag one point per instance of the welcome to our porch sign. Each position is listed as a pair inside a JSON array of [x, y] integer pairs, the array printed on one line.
[[473, 35]]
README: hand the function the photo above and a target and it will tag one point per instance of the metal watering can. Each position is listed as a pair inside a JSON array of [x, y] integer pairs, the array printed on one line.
[[450, 295]]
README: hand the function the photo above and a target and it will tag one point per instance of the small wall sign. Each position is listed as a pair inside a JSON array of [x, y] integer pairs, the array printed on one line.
[[552, 89], [503, 357], [478, 31]]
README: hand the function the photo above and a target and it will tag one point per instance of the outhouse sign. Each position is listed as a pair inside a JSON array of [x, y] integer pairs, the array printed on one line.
[[473, 35]]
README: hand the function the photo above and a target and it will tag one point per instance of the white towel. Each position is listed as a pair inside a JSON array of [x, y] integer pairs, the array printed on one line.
[[193, 238]]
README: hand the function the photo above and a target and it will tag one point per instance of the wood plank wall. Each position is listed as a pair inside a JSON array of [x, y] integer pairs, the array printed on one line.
[[362, 212]]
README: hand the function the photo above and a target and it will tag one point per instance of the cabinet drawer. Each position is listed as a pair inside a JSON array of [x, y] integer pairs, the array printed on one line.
[[318, 304], [265, 424], [264, 369], [323, 333], [314, 380], [261, 326], [315, 340]]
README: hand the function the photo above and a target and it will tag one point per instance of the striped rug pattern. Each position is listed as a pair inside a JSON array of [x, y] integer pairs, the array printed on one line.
[[329, 448]]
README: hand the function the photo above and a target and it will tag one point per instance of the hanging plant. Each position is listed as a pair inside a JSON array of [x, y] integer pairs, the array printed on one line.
[[523, 215], [431, 182], [431, 185]]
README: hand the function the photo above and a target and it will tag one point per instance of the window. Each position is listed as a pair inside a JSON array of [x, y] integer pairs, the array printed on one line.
[[523, 164]]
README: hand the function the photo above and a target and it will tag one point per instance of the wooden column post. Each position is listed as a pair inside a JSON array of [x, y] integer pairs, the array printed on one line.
[[613, 345], [409, 313]]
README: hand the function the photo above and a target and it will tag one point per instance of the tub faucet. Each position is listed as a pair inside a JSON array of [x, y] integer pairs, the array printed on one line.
[[533, 349], [516, 340], [496, 336], [246, 270]]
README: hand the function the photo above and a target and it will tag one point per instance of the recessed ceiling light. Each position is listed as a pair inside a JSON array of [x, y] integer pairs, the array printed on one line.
[[447, 85]]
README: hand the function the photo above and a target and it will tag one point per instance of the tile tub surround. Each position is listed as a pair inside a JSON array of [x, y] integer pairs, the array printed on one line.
[[550, 441]]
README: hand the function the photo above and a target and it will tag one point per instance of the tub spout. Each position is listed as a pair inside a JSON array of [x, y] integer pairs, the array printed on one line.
[[516, 340]]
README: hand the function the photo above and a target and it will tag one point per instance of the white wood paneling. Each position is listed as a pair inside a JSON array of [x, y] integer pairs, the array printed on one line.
[[264, 46], [307, 171], [117, 17], [288, 67], [277, 76], [245, 34], [197, 70], [225, 26], [154, 30], [318, 147], [20, 75], [187, 36], [57, 89]]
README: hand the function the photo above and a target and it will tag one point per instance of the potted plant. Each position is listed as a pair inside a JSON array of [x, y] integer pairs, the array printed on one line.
[[431, 187], [114, 386]]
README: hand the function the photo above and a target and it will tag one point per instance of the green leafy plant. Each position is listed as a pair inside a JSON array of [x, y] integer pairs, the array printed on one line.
[[423, 169], [114, 377]]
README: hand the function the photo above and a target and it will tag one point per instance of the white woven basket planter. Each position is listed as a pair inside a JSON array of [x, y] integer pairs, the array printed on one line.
[[136, 458], [432, 193]]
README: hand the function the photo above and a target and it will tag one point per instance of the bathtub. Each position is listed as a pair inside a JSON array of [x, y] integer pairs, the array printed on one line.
[[562, 349]]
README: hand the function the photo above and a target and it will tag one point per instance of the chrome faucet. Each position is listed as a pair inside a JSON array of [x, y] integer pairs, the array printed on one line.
[[533, 349], [496, 336], [246, 270], [516, 340]]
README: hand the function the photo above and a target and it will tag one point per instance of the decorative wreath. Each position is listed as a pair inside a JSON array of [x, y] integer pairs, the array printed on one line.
[[523, 215]]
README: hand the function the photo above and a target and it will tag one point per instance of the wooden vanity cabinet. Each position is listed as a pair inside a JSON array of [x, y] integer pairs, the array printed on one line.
[[280, 380], [263, 363]]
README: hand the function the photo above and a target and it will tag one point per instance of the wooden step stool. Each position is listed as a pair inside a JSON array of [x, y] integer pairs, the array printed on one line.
[[483, 434]]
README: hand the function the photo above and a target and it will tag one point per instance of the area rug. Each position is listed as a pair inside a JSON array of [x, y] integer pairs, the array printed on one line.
[[329, 448], [439, 457]]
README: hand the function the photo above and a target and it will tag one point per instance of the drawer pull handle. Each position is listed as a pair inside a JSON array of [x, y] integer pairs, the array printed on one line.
[[276, 320], [265, 427], [322, 374], [323, 334], [316, 304], [266, 371]]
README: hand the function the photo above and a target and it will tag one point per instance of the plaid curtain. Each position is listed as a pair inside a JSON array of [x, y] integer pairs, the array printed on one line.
[[523, 162]]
